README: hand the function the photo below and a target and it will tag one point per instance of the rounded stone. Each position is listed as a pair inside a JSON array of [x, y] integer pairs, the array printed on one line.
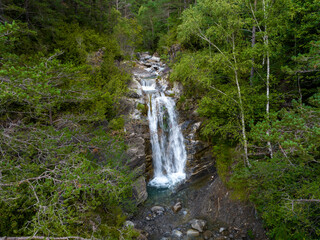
[[207, 234], [177, 233], [191, 233], [198, 224], [177, 207], [157, 209], [128, 224]]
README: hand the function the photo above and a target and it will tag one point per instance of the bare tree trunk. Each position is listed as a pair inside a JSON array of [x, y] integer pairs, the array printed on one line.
[[50, 116], [151, 22], [117, 5], [244, 136], [245, 141], [266, 40], [168, 17], [253, 42]]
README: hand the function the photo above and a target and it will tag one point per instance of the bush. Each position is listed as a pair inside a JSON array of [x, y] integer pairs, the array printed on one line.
[[142, 108], [117, 124]]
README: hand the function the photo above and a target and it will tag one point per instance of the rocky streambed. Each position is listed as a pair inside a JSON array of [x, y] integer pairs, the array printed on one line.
[[199, 208]]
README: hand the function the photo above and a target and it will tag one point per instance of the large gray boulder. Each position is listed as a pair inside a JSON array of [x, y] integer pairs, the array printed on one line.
[[140, 190], [198, 224], [157, 209]]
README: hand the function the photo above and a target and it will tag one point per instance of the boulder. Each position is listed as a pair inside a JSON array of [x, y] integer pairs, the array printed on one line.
[[177, 207], [147, 64], [128, 224], [143, 235], [133, 94], [157, 210], [154, 59], [207, 235], [191, 233], [136, 156], [220, 238], [176, 233], [198, 224], [134, 84], [140, 190], [156, 54]]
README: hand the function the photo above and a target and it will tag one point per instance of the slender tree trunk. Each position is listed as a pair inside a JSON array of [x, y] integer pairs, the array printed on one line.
[[244, 136], [152, 30], [50, 116], [168, 18], [117, 5], [253, 42], [266, 41]]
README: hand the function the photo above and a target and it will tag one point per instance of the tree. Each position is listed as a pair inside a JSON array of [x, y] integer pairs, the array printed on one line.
[[219, 24]]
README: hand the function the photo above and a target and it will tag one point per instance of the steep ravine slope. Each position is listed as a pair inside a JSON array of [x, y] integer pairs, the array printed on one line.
[[173, 214]]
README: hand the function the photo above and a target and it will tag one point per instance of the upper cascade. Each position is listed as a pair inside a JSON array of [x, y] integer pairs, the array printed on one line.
[[168, 147]]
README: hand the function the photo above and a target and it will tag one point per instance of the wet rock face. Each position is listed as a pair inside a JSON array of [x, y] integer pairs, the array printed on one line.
[[140, 190], [200, 161]]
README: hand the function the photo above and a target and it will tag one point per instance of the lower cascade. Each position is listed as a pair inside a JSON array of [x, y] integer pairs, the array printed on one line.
[[168, 148]]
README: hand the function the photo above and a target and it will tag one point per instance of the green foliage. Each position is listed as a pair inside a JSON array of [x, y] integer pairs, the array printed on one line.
[[58, 177], [166, 41], [7, 36], [158, 18], [40, 86], [142, 108], [117, 123], [60, 183], [217, 40], [78, 42], [61, 77], [281, 187], [128, 34]]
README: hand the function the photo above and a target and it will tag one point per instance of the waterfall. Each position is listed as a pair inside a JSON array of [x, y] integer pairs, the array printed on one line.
[[168, 148]]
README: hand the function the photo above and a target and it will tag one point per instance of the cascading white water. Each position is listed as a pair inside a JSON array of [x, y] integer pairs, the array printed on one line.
[[168, 148]]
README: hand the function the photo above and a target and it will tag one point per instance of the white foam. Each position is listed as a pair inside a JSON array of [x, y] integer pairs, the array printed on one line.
[[168, 181]]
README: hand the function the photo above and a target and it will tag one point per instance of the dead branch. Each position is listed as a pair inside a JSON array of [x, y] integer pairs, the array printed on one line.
[[305, 200]]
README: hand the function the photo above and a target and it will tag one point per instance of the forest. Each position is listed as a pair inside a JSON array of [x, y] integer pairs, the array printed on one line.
[[251, 68]]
